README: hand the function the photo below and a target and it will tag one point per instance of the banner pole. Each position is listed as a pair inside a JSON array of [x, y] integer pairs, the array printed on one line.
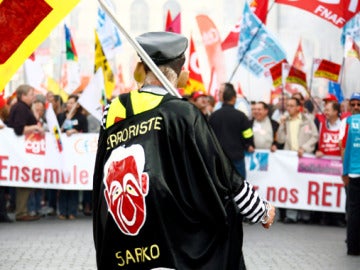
[[143, 55]]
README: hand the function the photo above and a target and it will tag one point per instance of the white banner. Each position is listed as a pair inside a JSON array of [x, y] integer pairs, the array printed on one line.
[[282, 178], [307, 183], [35, 161]]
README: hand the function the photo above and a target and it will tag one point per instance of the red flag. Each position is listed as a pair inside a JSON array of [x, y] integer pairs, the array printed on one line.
[[326, 69], [276, 73], [337, 12], [175, 25], [259, 7], [297, 76], [299, 58], [168, 20], [232, 39], [239, 90], [195, 81]]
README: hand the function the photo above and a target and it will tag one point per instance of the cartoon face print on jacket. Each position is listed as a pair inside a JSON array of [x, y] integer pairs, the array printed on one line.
[[126, 186]]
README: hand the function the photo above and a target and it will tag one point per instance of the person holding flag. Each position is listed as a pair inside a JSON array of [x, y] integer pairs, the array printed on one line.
[[165, 195]]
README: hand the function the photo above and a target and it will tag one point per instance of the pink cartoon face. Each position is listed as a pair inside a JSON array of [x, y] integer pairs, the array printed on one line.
[[126, 188]]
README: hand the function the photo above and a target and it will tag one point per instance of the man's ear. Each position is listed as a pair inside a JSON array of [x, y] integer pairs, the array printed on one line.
[[183, 78], [139, 73]]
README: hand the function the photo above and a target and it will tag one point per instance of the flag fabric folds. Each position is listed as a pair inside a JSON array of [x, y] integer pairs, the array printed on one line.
[[34, 74], [173, 25], [299, 58], [195, 81], [351, 49], [92, 96], [352, 29], [258, 49], [21, 34], [71, 53], [335, 89], [53, 126], [276, 73], [326, 69], [297, 76], [232, 39], [53, 87], [336, 12], [168, 20], [212, 43], [101, 61], [71, 78], [259, 7], [108, 33]]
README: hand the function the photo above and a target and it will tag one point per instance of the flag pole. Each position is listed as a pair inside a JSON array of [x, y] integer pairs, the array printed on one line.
[[310, 86], [143, 55], [248, 47]]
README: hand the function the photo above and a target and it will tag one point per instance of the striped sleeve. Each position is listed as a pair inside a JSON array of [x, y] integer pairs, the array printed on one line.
[[250, 204]]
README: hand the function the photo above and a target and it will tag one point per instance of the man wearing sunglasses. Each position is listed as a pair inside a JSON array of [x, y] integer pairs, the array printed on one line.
[[350, 144]]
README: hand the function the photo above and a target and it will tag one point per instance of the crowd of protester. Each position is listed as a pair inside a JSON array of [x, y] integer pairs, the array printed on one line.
[[295, 122], [263, 126], [25, 113]]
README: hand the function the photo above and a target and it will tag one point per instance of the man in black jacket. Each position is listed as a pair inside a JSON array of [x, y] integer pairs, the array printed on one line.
[[165, 195], [233, 129]]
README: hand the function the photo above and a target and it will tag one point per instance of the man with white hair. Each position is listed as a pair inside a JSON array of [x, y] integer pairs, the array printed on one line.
[[165, 196]]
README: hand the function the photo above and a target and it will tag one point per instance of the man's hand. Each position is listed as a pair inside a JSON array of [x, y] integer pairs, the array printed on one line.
[[300, 152], [273, 148], [271, 218], [345, 179]]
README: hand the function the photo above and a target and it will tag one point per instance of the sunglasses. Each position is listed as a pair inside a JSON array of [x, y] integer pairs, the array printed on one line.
[[355, 104]]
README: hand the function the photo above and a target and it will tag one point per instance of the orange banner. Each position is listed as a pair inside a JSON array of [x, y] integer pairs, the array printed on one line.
[[212, 42]]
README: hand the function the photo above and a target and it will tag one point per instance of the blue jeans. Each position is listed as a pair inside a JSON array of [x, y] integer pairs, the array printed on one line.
[[240, 167], [34, 200]]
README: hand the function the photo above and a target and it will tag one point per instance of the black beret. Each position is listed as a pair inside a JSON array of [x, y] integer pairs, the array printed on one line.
[[163, 47]]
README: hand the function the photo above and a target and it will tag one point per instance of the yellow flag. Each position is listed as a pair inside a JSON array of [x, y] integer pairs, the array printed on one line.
[[101, 61], [24, 25], [53, 87]]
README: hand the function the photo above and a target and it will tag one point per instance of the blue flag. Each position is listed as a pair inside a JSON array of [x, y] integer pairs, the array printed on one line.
[[258, 49], [335, 89], [109, 35], [352, 29]]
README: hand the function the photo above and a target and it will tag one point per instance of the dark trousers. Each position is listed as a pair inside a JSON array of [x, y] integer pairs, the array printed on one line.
[[3, 212], [353, 222]]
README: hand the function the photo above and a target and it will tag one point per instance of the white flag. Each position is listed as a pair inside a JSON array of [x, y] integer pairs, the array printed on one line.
[[71, 78], [91, 97], [54, 127], [35, 75]]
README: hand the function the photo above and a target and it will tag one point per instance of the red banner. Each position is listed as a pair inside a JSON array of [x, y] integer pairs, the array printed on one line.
[[337, 12]]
